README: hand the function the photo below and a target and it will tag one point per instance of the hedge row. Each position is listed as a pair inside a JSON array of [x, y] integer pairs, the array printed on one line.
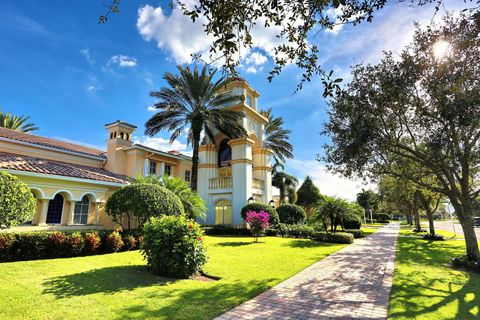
[[58, 244], [219, 230], [356, 233], [295, 230], [339, 237]]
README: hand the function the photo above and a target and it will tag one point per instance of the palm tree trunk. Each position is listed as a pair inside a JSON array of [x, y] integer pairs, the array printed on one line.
[[196, 145]]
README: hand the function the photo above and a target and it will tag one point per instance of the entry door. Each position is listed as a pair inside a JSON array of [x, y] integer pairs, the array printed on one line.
[[55, 208]]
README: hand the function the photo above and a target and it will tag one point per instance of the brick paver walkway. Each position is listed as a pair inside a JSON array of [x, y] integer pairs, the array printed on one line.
[[352, 283]]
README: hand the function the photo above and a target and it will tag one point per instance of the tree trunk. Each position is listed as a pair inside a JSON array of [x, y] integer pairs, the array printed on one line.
[[431, 225], [365, 215], [471, 241], [417, 220], [409, 219], [196, 145]]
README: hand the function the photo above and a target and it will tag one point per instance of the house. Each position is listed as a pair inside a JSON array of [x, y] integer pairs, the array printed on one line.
[[72, 182]]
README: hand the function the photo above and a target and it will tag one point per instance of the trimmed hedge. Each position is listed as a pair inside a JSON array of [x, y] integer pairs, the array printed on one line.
[[59, 244], [291, 213], [220, 230], [352, 221], [381, 217], [257, 206], [356, 233], [339, 237], [294, 230]]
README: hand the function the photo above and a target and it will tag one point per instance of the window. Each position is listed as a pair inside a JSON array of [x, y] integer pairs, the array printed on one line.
[[224, 154], [188, 175], [55, 209], [80, 213], [152, 169], [168, 170], [249, 101], [223, 212]]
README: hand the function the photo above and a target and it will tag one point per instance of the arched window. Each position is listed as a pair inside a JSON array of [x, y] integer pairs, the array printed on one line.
[[55, 209], [80, 213], [223, 212], [224, 154]]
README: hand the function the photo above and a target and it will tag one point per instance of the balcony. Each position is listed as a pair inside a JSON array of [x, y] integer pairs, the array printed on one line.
[[220, 183]]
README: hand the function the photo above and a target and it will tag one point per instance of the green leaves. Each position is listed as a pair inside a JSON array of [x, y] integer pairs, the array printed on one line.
[[17, 203]]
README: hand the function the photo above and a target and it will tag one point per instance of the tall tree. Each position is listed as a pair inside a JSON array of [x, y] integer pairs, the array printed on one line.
[[18, 123], [308, 196], [284, 182], [368, 200], [276, 137], [196, 102], [423, 108]]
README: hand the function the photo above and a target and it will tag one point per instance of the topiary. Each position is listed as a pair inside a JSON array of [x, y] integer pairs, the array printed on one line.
[[258, 206], [173, 246], [291, 213], [142, 201], [17, 202], [352, 221]]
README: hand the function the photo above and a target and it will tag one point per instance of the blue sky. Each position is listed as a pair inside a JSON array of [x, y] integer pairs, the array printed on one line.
[[72, 75]]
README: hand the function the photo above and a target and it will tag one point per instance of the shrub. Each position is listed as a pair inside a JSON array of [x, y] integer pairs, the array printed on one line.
[[339, 237], [256, 206], [291, 213], [30, 246], [17, 202], [173, 246], [130, 242], [356, 233], [433, 237], [381, 217], [419, 230], [463, 262], [352, 221], [6, 242], [142, 200], [295, 230], [92, 242], [258, 222], [74, 244], [226, 230], [56, 245], [113, 242], [308, 196]]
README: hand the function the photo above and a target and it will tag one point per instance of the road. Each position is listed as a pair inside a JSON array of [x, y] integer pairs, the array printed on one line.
[[447, 225]]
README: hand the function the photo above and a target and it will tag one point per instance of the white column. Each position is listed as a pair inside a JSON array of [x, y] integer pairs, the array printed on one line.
[[162, 169], [146, 165], [72, 212], [207, 169], [43, 212]]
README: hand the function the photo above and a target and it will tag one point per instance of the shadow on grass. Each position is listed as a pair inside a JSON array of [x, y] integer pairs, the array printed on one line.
[[415, 295], [307, 243], [234, 244], [196, 303], [105, 280]]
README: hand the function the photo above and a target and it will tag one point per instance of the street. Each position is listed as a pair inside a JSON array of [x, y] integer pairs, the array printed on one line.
[[447, 225]]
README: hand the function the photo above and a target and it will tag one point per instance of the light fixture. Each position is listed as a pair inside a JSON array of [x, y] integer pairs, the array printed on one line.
[[251, 199], [271, 203]]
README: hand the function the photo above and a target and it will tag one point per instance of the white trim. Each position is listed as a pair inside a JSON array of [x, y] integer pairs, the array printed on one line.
[[54, 149], [49, 185], [53, 176], [71, 198], [42, 194], [96, 200]]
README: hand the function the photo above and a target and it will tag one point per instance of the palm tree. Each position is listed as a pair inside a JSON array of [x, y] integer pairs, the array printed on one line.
[[196, 102], [331, 212], [285, 184], [276, 138], [18, 123]]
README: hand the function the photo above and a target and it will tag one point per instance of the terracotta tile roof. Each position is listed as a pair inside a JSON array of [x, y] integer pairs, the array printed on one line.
[[31, 164], [48, 142]]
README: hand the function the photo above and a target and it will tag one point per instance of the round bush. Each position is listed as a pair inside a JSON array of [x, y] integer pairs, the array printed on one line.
[[173, 246], [17, 202], [352, 221], [291, 213], [143, 200], [381, 217], [257, 207], [113, 242]]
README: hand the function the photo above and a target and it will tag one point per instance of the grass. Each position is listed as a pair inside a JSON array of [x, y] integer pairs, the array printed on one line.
[[426, 287], [118, 286], [369, 231]]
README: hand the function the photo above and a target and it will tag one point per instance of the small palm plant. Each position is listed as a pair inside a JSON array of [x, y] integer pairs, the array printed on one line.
[[18, 123], [286, 185], [331, 212], [195, 101]]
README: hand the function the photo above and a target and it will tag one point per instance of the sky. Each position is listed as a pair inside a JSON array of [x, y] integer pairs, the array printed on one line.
[[72, 75]]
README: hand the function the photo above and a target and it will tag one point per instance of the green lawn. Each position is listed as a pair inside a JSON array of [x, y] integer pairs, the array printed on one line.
[[369, 231], [424, 285], [117, 286]]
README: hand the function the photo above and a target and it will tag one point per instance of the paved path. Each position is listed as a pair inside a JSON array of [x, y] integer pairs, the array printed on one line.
[[447, 225], [352, 283]]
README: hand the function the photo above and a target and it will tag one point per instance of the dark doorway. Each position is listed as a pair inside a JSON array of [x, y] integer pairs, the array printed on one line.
[[55, 208]]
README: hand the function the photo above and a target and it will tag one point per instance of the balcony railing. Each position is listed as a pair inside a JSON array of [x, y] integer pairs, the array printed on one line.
[[220, 183], [257, 184]]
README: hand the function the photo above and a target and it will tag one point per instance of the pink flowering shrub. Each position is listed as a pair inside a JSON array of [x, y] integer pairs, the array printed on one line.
[[258, 222]]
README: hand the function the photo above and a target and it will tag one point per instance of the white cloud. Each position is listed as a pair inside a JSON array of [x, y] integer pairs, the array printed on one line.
[[162, 144], [328, 183], [91, 88], [251, 69], [152, 109], [86, 53], [123, 61], [256, 58]]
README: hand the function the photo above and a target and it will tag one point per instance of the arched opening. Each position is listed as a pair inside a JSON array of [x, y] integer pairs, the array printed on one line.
[[223, 212], [81, 211], [224, 154], [55, 209]]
